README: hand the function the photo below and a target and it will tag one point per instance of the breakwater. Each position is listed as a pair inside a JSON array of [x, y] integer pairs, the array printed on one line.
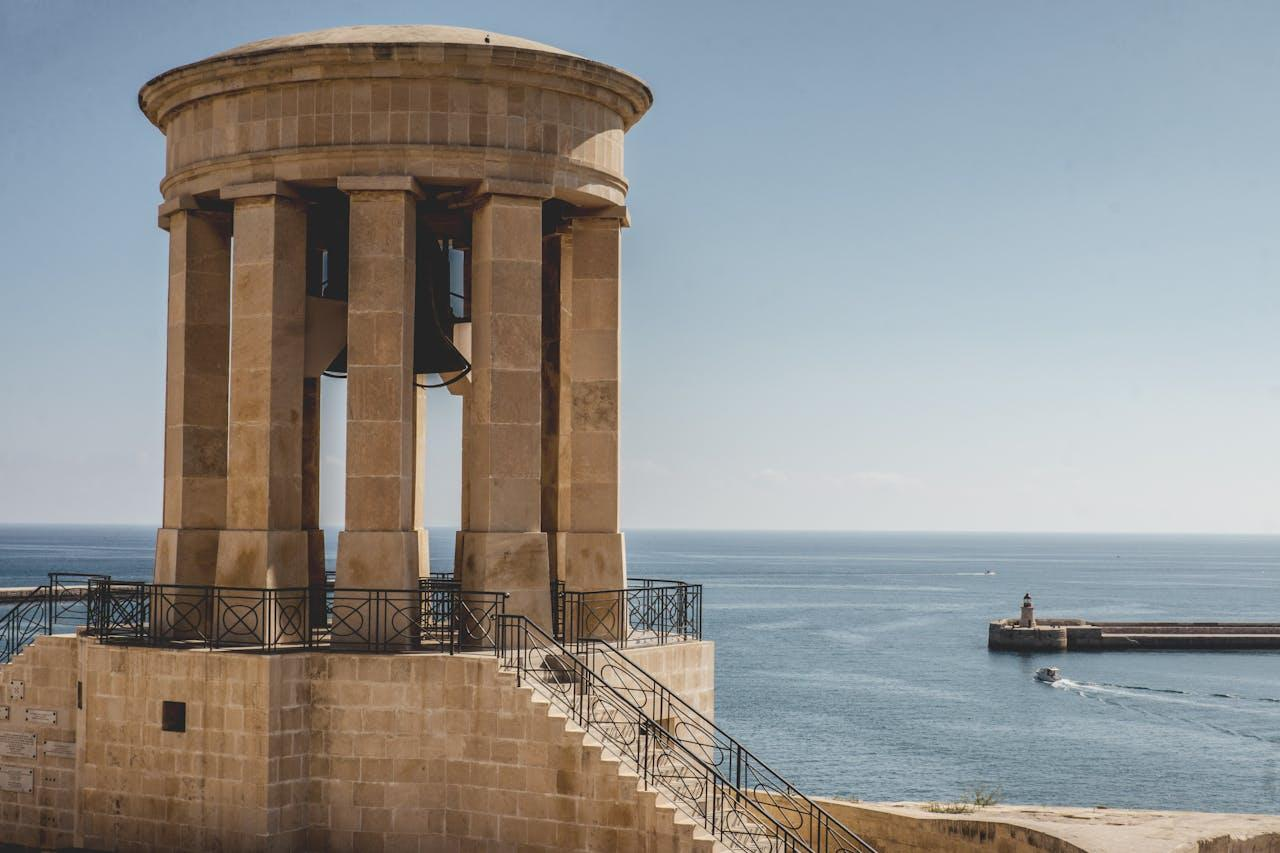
[[1083, 635]]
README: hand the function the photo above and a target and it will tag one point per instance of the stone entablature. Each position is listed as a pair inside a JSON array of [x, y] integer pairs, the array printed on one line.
[[383, 102]]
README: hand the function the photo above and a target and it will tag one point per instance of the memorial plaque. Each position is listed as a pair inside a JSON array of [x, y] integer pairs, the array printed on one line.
[[17, 690], [18, 744], [4, 712], [21, 779], [43, 716], [60, 748]]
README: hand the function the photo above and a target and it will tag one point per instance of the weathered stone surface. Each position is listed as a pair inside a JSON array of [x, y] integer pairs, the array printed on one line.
[[317, 751]]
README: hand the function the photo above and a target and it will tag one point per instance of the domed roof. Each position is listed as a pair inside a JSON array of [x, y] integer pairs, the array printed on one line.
[[389, 34], [348, 51]]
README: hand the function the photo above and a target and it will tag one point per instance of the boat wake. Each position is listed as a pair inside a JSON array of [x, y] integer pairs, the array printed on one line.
[[1182, 705]]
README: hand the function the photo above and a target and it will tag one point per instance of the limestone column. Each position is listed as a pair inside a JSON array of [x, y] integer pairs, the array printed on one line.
[[311, 480], [503, 547], [420, 476], [465, 450], [264, 544], [557, 291], [195, 438], [590, 550], [379, 549]]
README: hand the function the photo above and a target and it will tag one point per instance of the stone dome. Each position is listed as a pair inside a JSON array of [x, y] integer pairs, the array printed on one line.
[[389, 34]]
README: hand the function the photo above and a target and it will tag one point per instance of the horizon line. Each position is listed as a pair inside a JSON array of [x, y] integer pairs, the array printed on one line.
[[664, 529]]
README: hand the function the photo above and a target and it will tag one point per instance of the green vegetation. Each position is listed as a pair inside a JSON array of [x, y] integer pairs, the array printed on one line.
[[970, 803]]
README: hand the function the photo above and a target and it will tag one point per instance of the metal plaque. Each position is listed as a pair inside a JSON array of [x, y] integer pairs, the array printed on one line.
[[20, 779], [60, 748], [43, 716], [17, 690], [18, 744], [4, 712]]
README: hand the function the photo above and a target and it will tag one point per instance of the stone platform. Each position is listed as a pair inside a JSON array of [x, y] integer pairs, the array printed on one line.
[[128, 748]]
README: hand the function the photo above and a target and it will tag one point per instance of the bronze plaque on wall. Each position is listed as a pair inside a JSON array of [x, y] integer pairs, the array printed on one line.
[[18, 744]]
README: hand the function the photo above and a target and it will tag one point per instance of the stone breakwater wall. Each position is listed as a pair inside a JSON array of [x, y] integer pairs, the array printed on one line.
[[1082, 635]]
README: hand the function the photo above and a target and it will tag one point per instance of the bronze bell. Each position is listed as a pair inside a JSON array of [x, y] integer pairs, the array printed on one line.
[[433, 321]]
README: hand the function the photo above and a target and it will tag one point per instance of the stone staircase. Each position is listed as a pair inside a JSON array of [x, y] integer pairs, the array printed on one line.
[[683, 771], [663, 826]]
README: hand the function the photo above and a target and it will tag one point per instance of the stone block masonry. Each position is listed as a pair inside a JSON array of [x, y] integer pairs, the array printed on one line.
[[314, 751]]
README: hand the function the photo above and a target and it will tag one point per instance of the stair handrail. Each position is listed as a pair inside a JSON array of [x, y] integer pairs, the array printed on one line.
[[27, 619], [817, 826], [662, 761]]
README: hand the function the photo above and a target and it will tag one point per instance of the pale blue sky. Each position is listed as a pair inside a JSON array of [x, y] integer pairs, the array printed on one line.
[[952, 266]]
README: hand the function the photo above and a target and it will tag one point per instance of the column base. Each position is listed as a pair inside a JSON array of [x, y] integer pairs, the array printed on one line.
[[262, 558], [424, 553], [379, 559], [376, 560], [590, 561], [189, 557], [253, 560], [186, 555], [316, 578], [515, 563]]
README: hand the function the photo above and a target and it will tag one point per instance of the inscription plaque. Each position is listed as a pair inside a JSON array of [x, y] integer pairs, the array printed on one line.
[[19, 779], [60, 748], [4, 712], [43, 716], [18, 744], [17, 690]]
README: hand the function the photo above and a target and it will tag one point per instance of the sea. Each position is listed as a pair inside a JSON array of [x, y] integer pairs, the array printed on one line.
[[855, 664]]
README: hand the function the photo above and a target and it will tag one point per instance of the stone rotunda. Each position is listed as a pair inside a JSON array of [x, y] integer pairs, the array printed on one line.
[[402, 208], [408, 205]]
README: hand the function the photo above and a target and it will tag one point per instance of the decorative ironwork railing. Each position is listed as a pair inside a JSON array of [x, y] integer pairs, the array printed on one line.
[[432, 617], [679, 769], [810, 822], [331, 578], [651, 611], [61, 603]]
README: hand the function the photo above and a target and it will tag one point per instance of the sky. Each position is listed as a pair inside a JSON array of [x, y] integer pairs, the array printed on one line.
[[892, 266]]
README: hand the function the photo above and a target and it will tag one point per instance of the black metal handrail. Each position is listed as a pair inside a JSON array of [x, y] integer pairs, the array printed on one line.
[[651, 612], [432, 617], [42, 610], [820, 831], [23, 622], [662, 760], [435, 578]]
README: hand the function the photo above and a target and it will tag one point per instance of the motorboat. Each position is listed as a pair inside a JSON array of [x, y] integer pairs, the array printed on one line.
[[1048, 674]]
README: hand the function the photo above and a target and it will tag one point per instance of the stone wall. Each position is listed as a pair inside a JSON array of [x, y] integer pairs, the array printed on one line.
[[901, 833], [689, 669], [318, 751], [39, 682]]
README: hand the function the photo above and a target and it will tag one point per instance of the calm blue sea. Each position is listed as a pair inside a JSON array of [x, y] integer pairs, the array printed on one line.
[[856, 663]]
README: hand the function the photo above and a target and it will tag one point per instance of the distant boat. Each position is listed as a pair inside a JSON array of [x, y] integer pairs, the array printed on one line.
[[1048, 674], [988, 572]]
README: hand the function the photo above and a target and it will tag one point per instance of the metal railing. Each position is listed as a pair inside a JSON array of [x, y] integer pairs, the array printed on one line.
[[651, 611], [61, 603], [809, 821], [663, 761], [430, 618]]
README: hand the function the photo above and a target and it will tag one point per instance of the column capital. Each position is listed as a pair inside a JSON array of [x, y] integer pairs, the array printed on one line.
[[521, 189], [616, 211], [190, 203], [381, 183], [259, 189]]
